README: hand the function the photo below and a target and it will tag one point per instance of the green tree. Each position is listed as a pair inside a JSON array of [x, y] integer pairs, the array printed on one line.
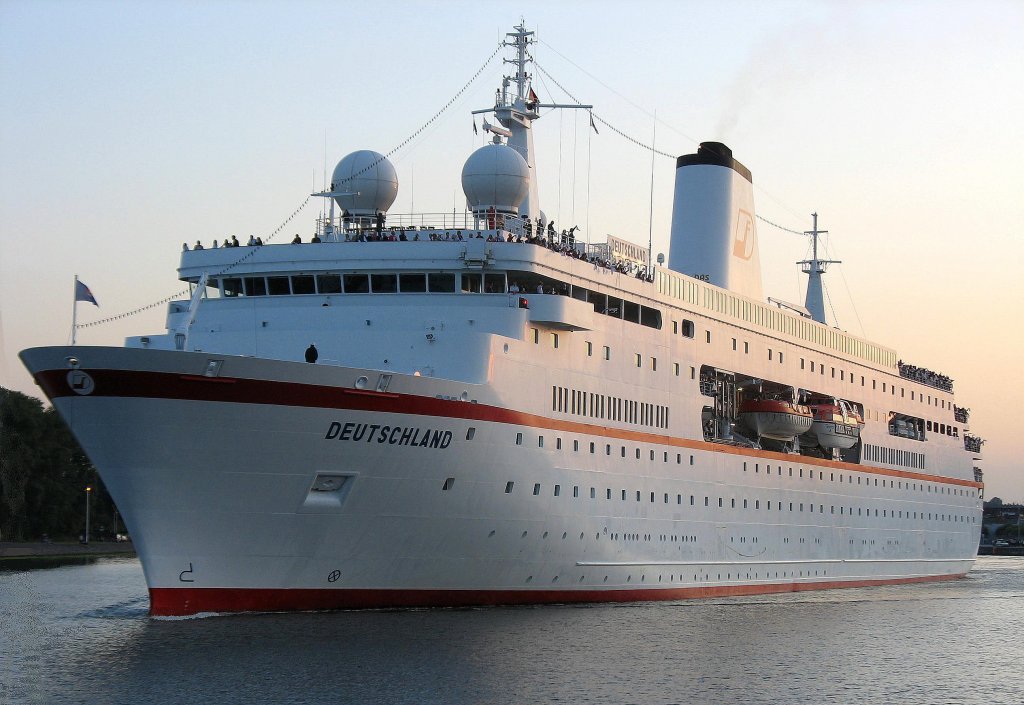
[[43, 473]]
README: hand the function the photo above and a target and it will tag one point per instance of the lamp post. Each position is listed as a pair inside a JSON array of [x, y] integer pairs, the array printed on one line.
[[88, 493]]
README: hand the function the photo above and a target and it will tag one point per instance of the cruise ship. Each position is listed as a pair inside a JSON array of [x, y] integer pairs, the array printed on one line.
[[477, 409]]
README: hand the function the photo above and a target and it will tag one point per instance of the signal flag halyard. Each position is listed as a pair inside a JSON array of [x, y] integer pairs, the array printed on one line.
[[82, 293]]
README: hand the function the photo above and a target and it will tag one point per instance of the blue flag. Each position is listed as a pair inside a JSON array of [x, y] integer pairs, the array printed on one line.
[[82, 293]]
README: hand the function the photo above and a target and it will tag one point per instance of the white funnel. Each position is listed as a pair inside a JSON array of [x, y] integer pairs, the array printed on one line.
[[714, 234]]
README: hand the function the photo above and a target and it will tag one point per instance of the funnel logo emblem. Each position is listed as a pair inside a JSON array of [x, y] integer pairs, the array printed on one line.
[[80, 382], [743, 244]]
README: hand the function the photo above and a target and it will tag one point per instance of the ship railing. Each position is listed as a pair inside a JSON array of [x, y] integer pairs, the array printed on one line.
[[925, 376]]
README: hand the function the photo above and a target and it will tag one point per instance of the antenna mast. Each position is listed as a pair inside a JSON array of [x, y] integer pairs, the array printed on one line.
[[517, 109], [814, 268]]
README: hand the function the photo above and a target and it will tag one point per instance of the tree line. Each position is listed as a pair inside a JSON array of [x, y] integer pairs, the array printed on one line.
[[43, 476]]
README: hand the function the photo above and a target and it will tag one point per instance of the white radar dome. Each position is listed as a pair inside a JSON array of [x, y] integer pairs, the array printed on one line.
[[369, 178], [495, 175]]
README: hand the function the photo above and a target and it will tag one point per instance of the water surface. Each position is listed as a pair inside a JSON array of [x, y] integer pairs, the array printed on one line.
[[80, 633]]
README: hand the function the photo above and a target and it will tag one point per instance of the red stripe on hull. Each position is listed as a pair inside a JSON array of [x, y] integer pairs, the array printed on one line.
[[159, 385], [178, 602]]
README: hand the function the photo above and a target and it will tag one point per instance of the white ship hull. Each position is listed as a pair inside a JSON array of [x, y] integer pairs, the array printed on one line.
[[217, 476]]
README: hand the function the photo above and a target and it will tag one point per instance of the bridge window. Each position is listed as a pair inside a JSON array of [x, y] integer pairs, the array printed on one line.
[[303, 284], [441, 282], [412, 283], [357, 284], [278, 286], [255, 286], [328, 283], [494, 283]]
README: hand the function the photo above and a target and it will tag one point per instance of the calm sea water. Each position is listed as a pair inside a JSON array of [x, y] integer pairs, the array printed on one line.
[[80, 634]]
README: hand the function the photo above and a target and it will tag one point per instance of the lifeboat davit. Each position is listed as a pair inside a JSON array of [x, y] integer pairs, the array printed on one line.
[[775, 419], [836, 425]]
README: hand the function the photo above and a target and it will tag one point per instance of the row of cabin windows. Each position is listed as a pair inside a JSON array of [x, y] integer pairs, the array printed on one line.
[[605, 304], [607, 353], [800, 472], [887, 387], [743, 503], [358, 283], [434, 282], [601, 406], [867, 481]]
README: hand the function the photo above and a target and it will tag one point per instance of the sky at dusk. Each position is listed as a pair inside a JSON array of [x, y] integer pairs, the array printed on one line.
[[127, 128]]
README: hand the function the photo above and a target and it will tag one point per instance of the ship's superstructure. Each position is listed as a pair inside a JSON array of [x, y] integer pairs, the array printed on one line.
[[495, 414]]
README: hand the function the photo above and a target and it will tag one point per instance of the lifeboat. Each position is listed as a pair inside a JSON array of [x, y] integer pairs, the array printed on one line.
[[776, 419], [836, 424]]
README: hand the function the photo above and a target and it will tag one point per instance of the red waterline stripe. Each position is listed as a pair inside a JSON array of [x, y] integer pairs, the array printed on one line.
[[163, 385], [178, 602]]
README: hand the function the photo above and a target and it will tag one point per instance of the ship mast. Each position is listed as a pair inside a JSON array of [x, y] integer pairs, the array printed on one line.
[[814, 268], [516, 110]]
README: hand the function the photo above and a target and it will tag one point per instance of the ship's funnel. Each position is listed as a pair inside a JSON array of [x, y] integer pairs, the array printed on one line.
[[714, 235]]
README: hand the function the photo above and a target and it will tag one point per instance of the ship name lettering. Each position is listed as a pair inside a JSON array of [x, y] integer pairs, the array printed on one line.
[[392, 435]]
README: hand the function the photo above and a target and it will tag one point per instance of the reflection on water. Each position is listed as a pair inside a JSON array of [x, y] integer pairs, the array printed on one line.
[[80, 633]]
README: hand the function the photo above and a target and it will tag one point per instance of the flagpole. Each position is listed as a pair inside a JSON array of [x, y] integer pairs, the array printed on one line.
[[74, 310]]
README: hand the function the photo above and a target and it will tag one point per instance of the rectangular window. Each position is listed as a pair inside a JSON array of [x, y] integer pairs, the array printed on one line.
[[675, 368], [470, 283], [688, 329], [303, 284], [590, 349], [441, 282], [554, 340], [639, 360], [508, 487], [607, 353], [412, 283], [233, 287], [329, 284], [707, 336], [357, 284], [278, 286], [384, 283], [255, 286], [494, 283]]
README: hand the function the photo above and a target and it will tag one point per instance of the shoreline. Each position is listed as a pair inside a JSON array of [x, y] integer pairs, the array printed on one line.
[[13, 550]]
